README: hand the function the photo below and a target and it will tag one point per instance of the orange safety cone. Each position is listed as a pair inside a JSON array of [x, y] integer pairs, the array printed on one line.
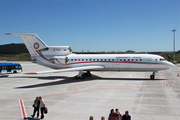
[[178, 74]]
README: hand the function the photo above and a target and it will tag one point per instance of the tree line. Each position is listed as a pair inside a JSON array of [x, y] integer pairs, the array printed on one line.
[[19, 52], [13, 48]]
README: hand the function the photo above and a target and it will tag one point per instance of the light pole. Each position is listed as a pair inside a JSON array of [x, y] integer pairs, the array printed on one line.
[[174, 44]]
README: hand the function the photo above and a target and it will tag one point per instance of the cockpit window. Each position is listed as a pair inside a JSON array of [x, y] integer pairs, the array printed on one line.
[[161, 59]]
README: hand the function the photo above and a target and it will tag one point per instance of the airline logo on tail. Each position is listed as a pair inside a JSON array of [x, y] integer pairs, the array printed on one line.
[[36, 45]]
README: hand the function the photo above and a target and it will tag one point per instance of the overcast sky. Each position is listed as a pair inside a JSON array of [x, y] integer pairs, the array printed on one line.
[[94, 25]]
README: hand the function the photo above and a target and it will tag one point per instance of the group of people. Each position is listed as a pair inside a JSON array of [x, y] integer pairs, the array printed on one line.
[[38, 105], [115, 115]]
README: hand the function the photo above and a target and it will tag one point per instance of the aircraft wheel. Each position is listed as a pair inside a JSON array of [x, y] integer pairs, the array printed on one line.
[[89, 75], [76, 77], [82, 77], [85, 74], [152, 77]]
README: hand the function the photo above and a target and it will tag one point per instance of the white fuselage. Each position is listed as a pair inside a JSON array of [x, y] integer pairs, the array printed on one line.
[[61, 57], [111, 62]]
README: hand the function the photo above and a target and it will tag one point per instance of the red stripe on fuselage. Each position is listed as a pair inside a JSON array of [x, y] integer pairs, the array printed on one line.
[[111, 62], [45, 58], [98, 61], [41, 55]]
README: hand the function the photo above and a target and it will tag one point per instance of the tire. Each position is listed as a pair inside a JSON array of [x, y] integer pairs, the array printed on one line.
[[89, 75], [152, 77], [15, 71], [85, 74]]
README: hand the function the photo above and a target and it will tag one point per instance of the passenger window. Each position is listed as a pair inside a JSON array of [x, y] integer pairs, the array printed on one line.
[[140, 59], [97, 59], [89, 59], [82, 59], [78, 59], [101, 59], [104, 59], [128, 59], [124, 59], [86, 59], [136, 59], [71, 59], [132, 59], [112, 59], [109, 59], [94, 60], [120, 59], [75, 60]]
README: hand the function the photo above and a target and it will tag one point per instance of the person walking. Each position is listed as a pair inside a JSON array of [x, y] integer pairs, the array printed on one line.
[[91, 118], [118, 115], [42, 107], [111, 115], [126, 116], [102, 118], [36, 107]]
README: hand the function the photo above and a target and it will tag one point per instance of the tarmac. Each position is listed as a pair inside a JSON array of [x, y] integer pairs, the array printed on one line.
[[68, 98]]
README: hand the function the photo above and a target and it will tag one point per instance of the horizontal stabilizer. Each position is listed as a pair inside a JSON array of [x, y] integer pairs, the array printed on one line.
[[17, 34]]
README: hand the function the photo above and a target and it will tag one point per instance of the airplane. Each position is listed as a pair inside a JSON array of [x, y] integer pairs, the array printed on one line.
[[62, 59]]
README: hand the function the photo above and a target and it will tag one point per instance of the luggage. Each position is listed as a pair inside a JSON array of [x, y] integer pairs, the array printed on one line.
[[33, 105], [45, 110]]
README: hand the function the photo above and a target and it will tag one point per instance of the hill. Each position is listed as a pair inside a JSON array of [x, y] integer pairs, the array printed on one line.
[[19, 52], [13, 48], [14, 52]]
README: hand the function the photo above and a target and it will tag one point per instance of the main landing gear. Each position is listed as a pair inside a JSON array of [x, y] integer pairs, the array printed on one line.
[[152, 77], [83, 74]]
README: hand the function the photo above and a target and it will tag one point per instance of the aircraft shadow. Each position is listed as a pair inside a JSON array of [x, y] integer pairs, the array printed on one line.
[[43, 78], [67, 80]]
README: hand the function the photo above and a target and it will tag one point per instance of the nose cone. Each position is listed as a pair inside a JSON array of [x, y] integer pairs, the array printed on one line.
[[170, 64]]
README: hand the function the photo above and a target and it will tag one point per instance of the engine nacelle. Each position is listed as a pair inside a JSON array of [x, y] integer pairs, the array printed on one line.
[[59, 60], [56, 50]]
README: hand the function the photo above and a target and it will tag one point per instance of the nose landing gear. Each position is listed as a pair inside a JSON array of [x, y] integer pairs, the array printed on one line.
[[152, 77]]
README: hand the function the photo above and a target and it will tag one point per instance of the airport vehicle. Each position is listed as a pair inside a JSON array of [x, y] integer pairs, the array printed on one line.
[[62, 59], [10, 68]]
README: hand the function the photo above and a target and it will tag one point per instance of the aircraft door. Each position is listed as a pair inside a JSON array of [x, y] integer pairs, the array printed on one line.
[[117, 64], [149, 61]]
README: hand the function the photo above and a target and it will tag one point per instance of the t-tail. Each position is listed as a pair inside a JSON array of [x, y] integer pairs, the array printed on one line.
[[37, 47]]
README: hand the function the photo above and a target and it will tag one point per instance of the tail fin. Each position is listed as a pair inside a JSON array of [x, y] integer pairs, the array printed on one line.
[[32, 42]]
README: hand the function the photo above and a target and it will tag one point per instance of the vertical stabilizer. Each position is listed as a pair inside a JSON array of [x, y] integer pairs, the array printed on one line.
[[32, 42]]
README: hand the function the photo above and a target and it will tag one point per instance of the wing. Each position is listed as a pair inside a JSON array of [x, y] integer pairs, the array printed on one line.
[[84, 68]]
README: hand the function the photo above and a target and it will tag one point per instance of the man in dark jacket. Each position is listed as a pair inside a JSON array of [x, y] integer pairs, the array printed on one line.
[[36, 107], [126, 116]]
